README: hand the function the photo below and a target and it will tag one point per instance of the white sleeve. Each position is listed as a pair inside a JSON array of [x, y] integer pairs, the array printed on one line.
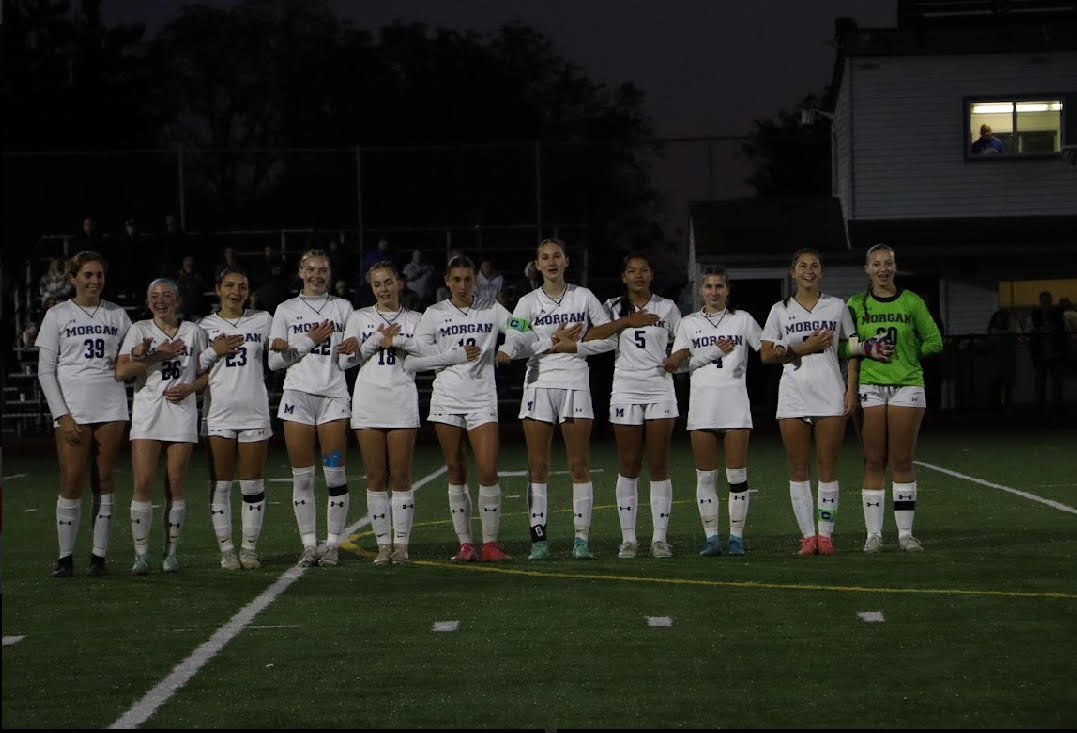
[[283, 359], [424, 341], [351, 329], [455, 355], [752, 332], [50, 385], [705, 358], [520, 345], [131, 339], [680, 341], [596, 311], [772, 331], [673, 321], [848, 328], [207, 358], [370, 347], [199, 347], [597, 346]]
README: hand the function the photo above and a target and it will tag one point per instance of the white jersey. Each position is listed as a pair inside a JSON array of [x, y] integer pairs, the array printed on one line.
[[813, 386], [554, 370], [384, 392], [638, 375], [236, 398], [461, 388], [700, 332], [153, 416], [85, 342], [311, 369]]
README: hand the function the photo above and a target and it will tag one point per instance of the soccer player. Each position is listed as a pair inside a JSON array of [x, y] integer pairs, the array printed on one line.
[[306, 336], [235, 412], [161, 354], [77, 346], [643, 406], [803, 332], [715, 344], [556, 387], [891, 393]]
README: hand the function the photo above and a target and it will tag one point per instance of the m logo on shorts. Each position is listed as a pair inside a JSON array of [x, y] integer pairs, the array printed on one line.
[[620, 411], [289, 409]]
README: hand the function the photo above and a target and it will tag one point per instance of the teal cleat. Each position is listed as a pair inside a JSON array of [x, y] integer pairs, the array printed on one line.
[[736, 546], [539, 550], [712, 547], [581, 550], [170, 564], [141, 565]]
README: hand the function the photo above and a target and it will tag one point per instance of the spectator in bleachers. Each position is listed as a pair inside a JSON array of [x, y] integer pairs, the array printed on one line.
[[273, 291], [1002, 347], [1069, 314], [54, 284], [1047, 346], [192, 288], [419, 277], [489, 283], [90, 239], [263, 271], [228, 261], [381, 252]]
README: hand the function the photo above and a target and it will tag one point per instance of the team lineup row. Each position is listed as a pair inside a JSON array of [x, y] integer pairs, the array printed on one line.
[[89, 347]]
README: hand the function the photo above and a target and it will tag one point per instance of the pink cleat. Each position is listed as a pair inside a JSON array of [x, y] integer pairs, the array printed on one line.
[[808, 546], [825, 545], [491, 552], [467, 553]]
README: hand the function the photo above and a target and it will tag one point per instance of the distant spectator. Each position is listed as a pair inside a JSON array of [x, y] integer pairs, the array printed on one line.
[[91, 236], [987, 143], [273, 291], [342, 290], [54, 284], [228, 260], [262, 272], [1002, 347], [419, 277], [490, 282], [192, 288], [1069, 314], [1047, 346]]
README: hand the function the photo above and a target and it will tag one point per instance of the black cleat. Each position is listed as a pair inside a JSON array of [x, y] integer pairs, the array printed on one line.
[[97, 566], [65, 567]]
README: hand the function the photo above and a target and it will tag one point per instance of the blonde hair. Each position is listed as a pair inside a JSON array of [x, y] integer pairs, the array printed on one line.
[[312, 253]]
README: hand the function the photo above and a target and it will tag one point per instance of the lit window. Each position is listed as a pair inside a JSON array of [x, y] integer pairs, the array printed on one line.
[[1015, 126]]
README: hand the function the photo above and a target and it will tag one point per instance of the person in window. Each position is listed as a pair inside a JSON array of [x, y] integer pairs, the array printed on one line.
[[987, 143]]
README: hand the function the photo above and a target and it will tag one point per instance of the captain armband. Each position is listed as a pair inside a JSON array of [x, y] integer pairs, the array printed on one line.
[[518, 324]]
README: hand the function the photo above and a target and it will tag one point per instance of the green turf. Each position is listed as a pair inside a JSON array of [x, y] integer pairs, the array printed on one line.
[[979, 630]]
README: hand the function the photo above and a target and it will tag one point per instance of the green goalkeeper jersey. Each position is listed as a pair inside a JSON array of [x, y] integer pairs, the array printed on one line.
[[904, 321]]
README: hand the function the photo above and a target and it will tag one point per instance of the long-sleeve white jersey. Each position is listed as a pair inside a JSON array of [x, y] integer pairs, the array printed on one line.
[[151, 414], [467, 386], [638, 376], [311, 369], [700, 332], [236, 398], [76, 365], [555, 370], [382, 376], [812, 385]]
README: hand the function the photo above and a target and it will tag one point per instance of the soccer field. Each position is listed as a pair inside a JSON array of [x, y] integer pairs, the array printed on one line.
[[978, 631]]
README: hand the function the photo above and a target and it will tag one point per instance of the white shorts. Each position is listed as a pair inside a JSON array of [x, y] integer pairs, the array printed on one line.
[[159, 419], [96, 402], [556, 405], [878, 395], [102, 417], [310, 409], [719, 409], [638, 414], [467, 420], [246, 435], [378, 407]]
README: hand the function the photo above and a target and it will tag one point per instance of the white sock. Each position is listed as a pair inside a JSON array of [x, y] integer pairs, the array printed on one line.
[[707, 501], [738, 500], [177, 512], [460, 510], [536, 509], [336, 514], [220, 513], [403, 515], [583, 498], [904, 507], [661, 506], [68, 514], [303, 504], [828, 507], [490, 511], [627, 501], [102, 523], [873, 510], [141, 517], [377, 505], [254, 502], [800, 494]]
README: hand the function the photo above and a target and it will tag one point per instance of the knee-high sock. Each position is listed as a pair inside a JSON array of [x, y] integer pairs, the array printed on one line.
[[583, 499], [460, 510], [490, 511], [141, 518], [828, 506], [68, 515], [661, 506], [220, 512], [873, 510], [627, 502], [904, 507], [738, 500], [254, 502], [403, 515], [303, 504], [378, 506], [536, 509], [707, 501], [800, 495], [177, 513], [336, 515], [102, 523]]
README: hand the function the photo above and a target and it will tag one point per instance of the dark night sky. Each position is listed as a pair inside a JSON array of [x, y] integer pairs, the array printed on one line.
[[708, 67]]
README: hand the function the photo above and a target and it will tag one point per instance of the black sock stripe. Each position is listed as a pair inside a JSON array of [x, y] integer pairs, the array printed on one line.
[[254, 498], [738, 488], [904, 506], [338, 490]]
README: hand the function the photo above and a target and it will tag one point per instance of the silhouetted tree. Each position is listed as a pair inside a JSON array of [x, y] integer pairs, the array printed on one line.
[[791, 158]]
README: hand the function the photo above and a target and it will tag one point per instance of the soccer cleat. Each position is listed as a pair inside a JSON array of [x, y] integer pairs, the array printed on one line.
[[581, 549], [64, 568], [712, 547], [97, 566], [170, 564], [492, 552], [825, 545], [808, 546], [229, 560], [141, 565], [309, 557], [384, 555], [736, 545], [399, 555], [539, 550], [466, 553], [627, 550], [910, 544], [661, 550], [249, 559], [328, 556], [873, 544]]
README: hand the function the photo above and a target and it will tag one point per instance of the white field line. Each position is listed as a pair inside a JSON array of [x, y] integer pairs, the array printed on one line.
[[660, 621], [871, 617], [552, 473], [446, 625], [9, 640], [1017, 492], [142, 710], [15, 476]]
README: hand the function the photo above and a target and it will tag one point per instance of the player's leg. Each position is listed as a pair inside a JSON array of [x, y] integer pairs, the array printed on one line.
[[300, 442], [222, 464], [736, 474], [659, 435], [177, 463], [400, 445], [451, 440], [874, 436], [705, 449], [538, 435], [333, 441], [252, 461], [829, 435], [485, 445], [629, 462], [74, 460], [145, 455], [576, 433], [374, 451], [796, 437], [903, 428], [107, 441]]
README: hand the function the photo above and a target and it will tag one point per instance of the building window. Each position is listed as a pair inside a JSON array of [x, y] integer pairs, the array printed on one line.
[[1024, 126]]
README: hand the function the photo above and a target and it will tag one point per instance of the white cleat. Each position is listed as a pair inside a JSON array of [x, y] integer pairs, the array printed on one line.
[[229, 560], [309, 557], [910, 544], [627, 550], [874, 544], [385, 553]]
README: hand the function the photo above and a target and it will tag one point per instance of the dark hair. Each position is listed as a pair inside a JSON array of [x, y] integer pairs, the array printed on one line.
[[229, 270], [867, 256], [719, 271], [559, 243], [381, 265], [458, 261], [796, 256], [626, 305], [76, 262]]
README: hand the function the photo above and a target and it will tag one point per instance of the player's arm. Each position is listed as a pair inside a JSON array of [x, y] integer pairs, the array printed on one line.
[[852, 385], [930, 336]]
